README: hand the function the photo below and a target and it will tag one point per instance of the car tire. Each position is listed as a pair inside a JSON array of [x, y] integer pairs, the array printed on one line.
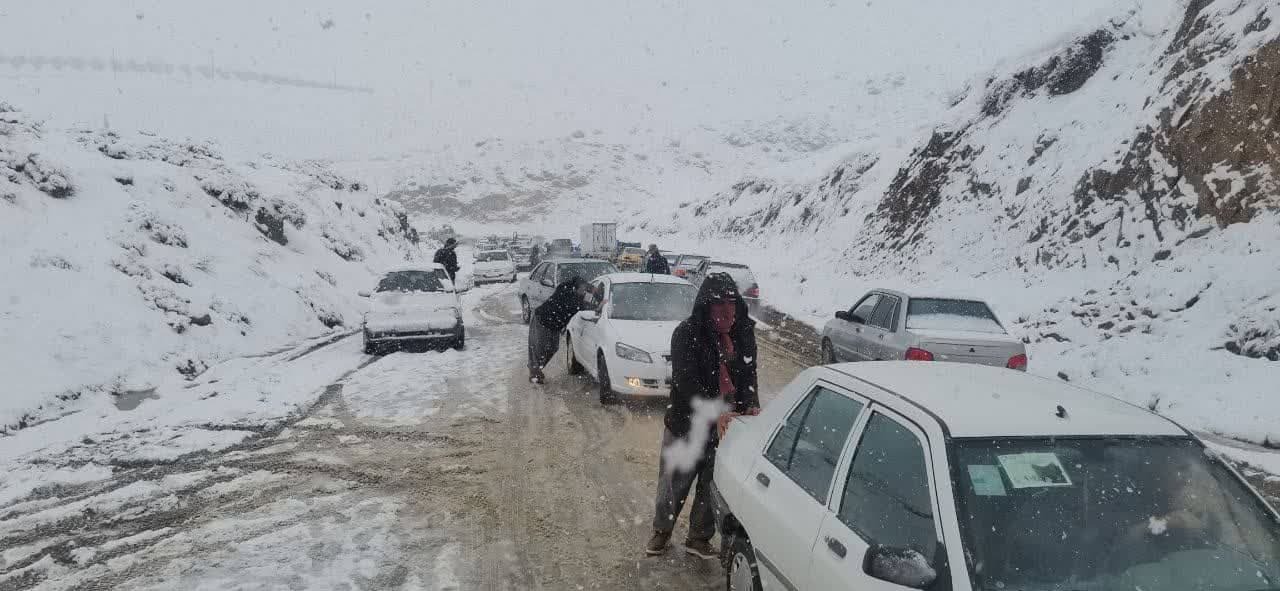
[[743, 572], [460, 343], [513, 278], [370, 348], [571, 361], [607, 396], [828, 352], [525, 313]]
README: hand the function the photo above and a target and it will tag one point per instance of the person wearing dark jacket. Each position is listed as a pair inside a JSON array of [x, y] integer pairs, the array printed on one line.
[[713, 378], [656, 263], [549, 320], [447, 256]]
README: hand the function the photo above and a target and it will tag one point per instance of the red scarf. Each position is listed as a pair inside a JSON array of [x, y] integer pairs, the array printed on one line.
[[723, 315]]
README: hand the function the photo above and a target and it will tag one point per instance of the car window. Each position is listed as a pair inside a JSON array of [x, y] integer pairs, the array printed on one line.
[[864, 308], [885, 313], [808, 446], [586, 270], [886, 496], [548, 276], [943, 314], [407, 281], [536, 275]]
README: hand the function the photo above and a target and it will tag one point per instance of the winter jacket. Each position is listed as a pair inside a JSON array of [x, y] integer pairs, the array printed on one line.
[[695, 362], [558, 310], [657, 264], [448, 258]]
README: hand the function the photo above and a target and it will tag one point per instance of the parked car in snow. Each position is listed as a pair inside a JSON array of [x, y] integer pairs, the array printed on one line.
[[886, 325], [631, 258], [560, 248], [538, 286], [741, 274], [964, 477], [413, 303], [671, 257], [625, 342], [493, 266], [686, 263]]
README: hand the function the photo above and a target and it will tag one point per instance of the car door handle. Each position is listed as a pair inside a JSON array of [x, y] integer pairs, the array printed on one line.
[[836, 547], [763, 479]]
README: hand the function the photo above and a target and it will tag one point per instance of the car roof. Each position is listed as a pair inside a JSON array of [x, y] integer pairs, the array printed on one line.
[[568, 260], [981, 401], [728, 265], [928, 295], [642, 278], [414, 267], [503, 251]]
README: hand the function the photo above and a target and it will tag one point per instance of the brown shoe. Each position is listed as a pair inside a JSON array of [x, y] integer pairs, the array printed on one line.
[[658, 543], [700, 548]]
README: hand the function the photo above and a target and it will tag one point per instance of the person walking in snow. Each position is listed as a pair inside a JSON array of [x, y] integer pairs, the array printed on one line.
[[549, 320], [713, 379], [656, 263], [447, 256]]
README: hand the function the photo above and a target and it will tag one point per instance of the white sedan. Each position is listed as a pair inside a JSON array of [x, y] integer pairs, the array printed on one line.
[[413, 303], [625, 343], [492, 266]]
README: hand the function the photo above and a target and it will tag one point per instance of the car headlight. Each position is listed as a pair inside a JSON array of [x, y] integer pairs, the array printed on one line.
[[631, 353]]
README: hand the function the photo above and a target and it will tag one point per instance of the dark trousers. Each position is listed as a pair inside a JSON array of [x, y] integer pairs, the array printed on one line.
[[673, 489], [543, 344]]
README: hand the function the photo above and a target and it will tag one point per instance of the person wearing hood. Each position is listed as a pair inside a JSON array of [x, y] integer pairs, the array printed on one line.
[[447, 257], [713, 379], [549, 320], [656, 263]]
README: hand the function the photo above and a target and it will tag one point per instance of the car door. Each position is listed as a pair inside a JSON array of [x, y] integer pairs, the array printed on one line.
[[878, 334], [588, 340], [885, 496], [531, 283], [847, 337], [788, 493]]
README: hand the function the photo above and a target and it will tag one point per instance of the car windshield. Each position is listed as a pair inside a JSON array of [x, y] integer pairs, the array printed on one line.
[[945, 314], [1111, 514], [404, 281], [586, 270], [486, 257], [652, 301], [691, 262]]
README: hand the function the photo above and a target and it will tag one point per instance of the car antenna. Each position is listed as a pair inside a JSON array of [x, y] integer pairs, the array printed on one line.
[[1062, 412]]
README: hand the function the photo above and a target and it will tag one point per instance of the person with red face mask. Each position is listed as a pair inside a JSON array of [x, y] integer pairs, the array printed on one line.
[[713, 378]]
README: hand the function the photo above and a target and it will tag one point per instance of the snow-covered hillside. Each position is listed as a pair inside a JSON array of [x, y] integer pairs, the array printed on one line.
[[131, 260], [1115, 197]]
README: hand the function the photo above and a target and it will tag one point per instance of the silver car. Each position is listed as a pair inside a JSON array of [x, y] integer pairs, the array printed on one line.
[[886, 325], [542, 282]]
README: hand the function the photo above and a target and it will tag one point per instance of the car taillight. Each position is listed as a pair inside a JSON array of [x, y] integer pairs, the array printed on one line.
[[914, 354], [679, 273], [754, 292], [1018, 362]]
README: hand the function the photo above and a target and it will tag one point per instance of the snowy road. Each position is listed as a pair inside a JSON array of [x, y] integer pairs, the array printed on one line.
[[414, 471]]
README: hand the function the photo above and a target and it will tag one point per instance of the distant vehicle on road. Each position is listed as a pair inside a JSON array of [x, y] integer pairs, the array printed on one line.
[[538, 286], [413, 303], [956, 476], [599, 240], [741, 274], [493, 266], [560, 248], [686, 263], [625, 342], [886, 325], [671, 258], [632, 258]]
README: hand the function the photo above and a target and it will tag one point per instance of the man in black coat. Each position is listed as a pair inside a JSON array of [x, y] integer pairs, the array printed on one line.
[[549, 320], [713, 376], [447, 256], [656, 263]]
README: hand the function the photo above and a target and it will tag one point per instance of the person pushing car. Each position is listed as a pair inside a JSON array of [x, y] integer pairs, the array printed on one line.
[[549, 320], [713, 379]]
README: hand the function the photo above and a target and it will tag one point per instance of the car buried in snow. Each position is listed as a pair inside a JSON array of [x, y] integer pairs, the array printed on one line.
[[493, 266], [413, 304], [885, 325], [963, 477], [625, 342]]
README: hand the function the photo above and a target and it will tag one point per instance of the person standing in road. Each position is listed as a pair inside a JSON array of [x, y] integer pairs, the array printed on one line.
[[447, 256], [549, 320], [656, 263], [713, 377]]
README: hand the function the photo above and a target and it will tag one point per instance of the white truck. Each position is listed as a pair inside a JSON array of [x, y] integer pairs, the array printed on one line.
[[599, 240]]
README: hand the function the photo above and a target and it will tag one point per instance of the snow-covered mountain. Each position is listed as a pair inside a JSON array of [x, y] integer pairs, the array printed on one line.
[[131, 260]]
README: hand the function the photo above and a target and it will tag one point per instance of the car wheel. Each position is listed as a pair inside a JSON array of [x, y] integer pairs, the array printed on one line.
[[370, 348], [743, 573], [525, 312], [606, 387], [513, 278], [460, 343], [571, 361], [828, 352]]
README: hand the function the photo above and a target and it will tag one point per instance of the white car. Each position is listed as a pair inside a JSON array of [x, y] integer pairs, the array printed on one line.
[[948, 476], [625, 343], [493, 266], [413, 303]]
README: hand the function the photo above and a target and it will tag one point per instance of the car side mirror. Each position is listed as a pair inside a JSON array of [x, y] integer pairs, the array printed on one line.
[[842, 315], [364, 293], [901, 566]]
